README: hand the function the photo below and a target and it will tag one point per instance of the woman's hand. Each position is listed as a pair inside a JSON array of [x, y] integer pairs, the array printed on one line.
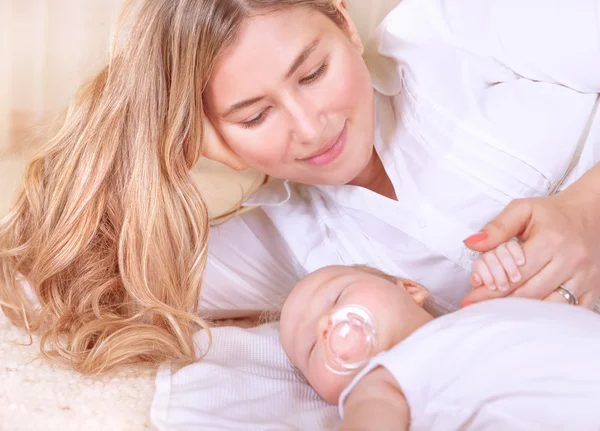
[[560, 238], [495, 269]]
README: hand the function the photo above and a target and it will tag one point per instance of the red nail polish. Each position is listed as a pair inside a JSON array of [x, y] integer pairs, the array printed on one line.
[[465, 304], [474, 239]]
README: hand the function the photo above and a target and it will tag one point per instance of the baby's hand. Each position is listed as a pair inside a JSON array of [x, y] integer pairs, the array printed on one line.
[[497, 268]]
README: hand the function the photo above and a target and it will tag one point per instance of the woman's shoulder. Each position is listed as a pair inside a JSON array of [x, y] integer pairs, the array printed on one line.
[[431, 42]]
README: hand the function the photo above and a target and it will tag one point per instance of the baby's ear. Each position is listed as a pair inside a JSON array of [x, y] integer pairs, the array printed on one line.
[[418, 293]]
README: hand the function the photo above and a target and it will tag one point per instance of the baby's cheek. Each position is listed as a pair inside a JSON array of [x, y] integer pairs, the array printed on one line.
[[328, 385]]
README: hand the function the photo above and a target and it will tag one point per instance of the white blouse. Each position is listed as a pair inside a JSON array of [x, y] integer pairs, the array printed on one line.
[[477, 102]]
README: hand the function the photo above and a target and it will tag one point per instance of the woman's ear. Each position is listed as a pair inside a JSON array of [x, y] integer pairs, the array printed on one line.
[[418, 293], [215, 148], [350, 26]]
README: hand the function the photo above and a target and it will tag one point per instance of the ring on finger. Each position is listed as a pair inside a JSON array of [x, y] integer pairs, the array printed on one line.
[[567, 294]]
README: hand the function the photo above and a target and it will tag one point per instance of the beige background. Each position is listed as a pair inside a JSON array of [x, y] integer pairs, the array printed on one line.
[[50, 47]]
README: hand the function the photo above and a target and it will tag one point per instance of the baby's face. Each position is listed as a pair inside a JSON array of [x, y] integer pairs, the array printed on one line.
[[306, 315]]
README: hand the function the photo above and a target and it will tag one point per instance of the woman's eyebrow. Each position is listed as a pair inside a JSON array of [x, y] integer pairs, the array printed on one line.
[[299, 60], [241, 105]]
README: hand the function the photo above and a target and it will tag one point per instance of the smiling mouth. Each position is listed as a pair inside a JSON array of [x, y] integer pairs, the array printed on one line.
[[331, 152]]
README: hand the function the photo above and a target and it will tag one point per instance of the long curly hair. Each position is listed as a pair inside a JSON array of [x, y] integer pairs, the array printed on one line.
[[104, 250]]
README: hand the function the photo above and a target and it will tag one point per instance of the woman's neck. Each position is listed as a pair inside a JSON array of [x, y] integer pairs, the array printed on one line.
[[374, 178]]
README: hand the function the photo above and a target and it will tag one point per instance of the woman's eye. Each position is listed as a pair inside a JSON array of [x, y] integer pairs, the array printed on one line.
[[255, 121], [314, 76]]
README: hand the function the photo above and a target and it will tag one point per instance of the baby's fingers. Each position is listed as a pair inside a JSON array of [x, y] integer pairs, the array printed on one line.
[[516, 251], [497, 269], [507, 260], [482, 275]]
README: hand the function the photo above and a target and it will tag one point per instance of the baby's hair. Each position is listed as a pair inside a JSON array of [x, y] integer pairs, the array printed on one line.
[[274, 315], [377, 272], [385, 276], [269, 316]]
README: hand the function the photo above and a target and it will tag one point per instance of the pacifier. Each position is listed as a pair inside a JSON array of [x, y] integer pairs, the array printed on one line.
[[350, 339]]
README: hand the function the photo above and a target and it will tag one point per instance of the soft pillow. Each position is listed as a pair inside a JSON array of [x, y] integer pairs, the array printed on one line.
[[223, 188], [367, 14]]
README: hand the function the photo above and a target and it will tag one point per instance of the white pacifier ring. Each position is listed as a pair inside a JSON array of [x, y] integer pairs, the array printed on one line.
[[350, 339]]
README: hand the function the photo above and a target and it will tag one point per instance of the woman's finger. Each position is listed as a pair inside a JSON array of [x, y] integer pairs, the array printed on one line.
[[555, 296], [538, 253], [588, 299], [481, 294], [545, 282], [508, 263], [580, 287], [510, 223]]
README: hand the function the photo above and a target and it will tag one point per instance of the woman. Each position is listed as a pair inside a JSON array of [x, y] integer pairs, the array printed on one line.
[[111, 232]]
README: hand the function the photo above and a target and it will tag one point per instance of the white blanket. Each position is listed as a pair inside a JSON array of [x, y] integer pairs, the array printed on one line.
[[244, 383], [35, 395]]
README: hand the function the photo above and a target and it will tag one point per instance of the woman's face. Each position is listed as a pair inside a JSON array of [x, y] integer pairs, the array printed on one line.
[[293, 98]]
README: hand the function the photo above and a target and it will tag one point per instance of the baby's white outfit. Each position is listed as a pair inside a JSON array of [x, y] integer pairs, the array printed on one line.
[[506, 364]]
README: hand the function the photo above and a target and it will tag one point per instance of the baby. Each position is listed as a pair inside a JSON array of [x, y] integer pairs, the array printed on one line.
[[364, 340]]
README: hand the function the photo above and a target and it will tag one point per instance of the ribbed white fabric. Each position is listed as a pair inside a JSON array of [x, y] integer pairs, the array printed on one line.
[[244, 383]]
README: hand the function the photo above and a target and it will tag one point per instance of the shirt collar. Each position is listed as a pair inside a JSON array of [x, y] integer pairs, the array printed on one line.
[[274, 192]]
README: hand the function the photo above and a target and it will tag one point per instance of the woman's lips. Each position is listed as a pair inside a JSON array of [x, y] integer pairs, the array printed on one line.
[[331, 153]]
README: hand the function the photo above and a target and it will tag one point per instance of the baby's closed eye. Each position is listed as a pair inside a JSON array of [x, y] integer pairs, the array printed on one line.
[[299, 374]]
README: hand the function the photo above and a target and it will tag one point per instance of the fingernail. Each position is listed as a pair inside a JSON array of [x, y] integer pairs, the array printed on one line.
[[520, 262], [492, 287], [503, 287], [474, 239], [465, 304], [515, 277]]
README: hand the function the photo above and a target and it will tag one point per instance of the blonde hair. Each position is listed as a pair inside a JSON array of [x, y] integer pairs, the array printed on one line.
[[110, 231]]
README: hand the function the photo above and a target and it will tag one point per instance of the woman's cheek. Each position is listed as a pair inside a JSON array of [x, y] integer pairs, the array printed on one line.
[[264, 150], [346, 90]]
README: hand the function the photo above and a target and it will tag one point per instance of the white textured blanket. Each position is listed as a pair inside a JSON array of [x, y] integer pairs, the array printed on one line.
[[35, 395], [245, 382]]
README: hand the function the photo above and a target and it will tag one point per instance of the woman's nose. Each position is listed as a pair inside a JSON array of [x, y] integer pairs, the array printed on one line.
[[309, 122]]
